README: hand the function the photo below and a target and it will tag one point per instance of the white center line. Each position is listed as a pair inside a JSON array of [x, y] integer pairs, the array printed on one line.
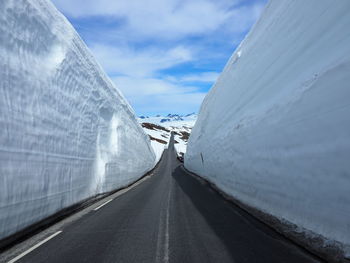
[[34, 247], [166, 249], [159, 239], [103, 204]]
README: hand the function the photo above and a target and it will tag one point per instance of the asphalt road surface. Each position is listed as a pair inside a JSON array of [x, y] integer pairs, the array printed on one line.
[[171, 217]]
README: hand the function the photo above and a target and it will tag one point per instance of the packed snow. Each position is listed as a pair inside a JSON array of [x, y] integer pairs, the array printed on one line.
[[274, 131], [159, 137], [67, 133]]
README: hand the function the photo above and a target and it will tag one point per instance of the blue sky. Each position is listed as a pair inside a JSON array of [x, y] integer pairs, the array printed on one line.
[[164, 55]]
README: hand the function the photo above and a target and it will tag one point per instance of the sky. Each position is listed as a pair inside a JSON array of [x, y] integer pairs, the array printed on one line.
[[164, 55]]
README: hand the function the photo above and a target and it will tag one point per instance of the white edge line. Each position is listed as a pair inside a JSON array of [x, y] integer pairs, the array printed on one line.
[[34, 247], [103, 204]]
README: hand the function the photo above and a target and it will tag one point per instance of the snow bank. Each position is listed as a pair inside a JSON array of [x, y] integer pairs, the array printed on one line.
[[66, 131], [274, 131], [181, 134], [181, 146], [158, 149], [159, 140]]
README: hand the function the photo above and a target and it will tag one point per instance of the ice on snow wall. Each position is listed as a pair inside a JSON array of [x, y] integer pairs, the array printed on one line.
[[274, 131], [66, 132]]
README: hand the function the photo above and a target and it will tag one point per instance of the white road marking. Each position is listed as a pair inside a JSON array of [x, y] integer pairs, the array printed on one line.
[[159, 239], [9, 253], [103, 205], [166, 249], [34, 247], [162, 253]]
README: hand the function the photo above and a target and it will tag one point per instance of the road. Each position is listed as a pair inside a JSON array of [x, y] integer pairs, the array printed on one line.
[[171, 217]]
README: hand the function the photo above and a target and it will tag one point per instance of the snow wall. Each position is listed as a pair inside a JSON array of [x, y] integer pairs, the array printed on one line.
[[66, 132], [274, 131]]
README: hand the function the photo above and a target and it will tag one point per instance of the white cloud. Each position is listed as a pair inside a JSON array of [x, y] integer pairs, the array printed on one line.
[[163, 104], [176, 103], [168, 19], [135, 73], [131, 86], [159, 95], [139, 63], [144, 38], [209, 77]]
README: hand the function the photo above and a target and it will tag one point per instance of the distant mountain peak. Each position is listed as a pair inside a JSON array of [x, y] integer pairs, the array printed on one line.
[[169, 115], [171, 119]]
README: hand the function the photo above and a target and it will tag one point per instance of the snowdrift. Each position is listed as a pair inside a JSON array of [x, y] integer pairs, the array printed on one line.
[[66, 132], [274, 131]]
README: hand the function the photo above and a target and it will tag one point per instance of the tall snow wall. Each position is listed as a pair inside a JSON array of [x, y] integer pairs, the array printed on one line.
[[66, 132], [274, 131]]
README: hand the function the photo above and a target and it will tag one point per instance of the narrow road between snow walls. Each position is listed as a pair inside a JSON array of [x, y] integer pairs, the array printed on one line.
[[170, 217]]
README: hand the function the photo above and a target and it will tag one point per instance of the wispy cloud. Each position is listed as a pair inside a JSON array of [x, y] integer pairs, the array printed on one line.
[[163, 54], [165, 19], [124, 60], [200, 77]]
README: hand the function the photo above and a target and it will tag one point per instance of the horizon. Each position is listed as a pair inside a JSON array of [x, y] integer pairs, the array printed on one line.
[[166, 115]]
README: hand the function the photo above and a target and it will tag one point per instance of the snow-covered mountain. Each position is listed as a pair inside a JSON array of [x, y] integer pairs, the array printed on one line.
[[159, 129], [66, 131], [274, 131], [175, 120]]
